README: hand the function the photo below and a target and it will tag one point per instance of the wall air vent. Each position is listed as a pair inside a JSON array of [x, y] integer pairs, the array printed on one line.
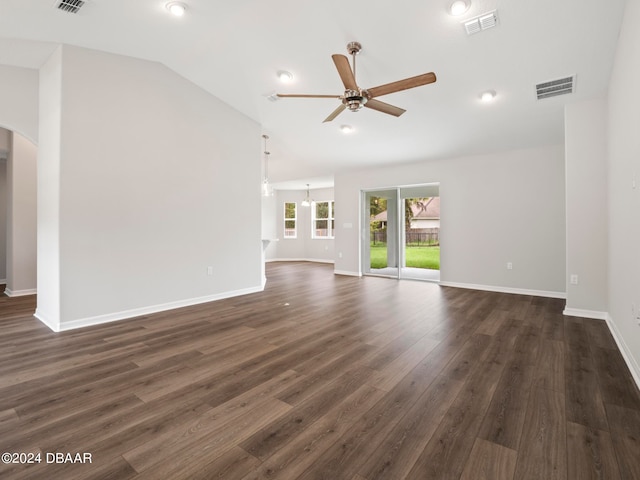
[[480, 23], [553, 88], [70, 6]]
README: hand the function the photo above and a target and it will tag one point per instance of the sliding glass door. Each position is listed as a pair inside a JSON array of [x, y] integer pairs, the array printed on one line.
[[381, 233], [420, 242], [401, 238]]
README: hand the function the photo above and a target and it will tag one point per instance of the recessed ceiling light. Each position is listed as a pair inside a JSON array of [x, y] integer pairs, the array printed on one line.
[[346, 128], [177, 8], [458, 7], [284, 76], [488, 96]]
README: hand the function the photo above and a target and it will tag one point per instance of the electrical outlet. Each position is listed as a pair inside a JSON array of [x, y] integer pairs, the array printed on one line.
[[509, 266], [209, 270], [574, 279]]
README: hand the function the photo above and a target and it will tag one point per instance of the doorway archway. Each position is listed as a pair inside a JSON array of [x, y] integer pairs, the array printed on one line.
[[18, 213]]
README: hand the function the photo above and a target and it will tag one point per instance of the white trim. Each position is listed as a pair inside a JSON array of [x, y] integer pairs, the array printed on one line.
[[53, 326], [285, 219], [629, 359], [3, 281], [578, 312], [329, 219], [316, 260], [345, 272], [19, 293], [136, 312], [517, 291]]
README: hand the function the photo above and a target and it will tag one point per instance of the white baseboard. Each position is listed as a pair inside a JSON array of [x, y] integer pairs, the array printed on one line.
[[345, 272], [631, 362], [578, 312], [315, 260], [136, 312], [3, 281], [53, 326], [19, 293], [516, 291]]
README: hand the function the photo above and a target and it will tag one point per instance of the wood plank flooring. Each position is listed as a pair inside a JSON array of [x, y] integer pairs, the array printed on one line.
[[323, 377]]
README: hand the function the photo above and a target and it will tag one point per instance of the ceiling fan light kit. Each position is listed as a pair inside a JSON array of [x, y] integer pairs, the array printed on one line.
[[354, 97]]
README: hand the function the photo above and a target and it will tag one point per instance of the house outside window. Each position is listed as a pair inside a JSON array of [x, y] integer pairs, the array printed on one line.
[[322, 221], [290, 220]]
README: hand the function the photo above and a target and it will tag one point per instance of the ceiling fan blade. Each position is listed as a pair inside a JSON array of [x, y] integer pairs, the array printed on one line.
[[400, 85], [384, 107], [335, 113], [344, 70], [300, 95]]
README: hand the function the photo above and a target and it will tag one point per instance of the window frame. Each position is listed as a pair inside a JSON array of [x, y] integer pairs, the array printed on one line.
[[330, 220], [286, 219]]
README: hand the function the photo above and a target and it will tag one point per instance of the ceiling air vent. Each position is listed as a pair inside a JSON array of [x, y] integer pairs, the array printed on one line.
[[70, 6], [562, 86], [483, 22]]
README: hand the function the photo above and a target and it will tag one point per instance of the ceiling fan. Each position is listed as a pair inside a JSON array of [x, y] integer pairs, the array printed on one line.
[[354, 97]]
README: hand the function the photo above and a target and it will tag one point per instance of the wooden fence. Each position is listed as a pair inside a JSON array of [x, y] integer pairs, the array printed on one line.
[[415, 237]]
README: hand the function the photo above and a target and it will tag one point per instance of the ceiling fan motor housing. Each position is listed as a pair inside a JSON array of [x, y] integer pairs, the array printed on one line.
[[354, 100]]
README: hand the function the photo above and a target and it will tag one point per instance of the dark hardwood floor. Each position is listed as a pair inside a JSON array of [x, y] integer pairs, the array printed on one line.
[[322, 377]]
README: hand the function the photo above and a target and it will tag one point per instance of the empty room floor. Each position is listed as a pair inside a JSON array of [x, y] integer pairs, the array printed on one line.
[[321, 376]]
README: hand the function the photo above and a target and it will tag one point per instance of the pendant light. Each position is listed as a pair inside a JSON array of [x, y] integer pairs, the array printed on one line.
[[307, 200], [267, 189]]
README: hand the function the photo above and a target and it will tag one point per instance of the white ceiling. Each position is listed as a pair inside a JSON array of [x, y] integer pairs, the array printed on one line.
[[233, 49]]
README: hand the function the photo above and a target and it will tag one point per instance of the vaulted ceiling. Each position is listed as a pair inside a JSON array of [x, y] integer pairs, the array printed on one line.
[[234, 50]]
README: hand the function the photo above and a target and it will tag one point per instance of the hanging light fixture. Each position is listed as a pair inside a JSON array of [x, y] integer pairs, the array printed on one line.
[[307, 200], [267, 189]]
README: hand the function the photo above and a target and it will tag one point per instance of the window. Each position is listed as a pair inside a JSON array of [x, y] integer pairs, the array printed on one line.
[[290, 220], [322, 221]]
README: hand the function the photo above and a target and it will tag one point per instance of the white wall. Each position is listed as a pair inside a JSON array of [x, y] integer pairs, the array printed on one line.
[[303, 247], [269, 214], [624, 200], [21, 216], [3, 220], [150, 167], [586, 206], [498, 208], [19, 101], [4, 151], [49, 184], [18, 112]]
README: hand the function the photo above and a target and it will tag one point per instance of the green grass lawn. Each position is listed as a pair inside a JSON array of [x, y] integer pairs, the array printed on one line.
[[418, 257]]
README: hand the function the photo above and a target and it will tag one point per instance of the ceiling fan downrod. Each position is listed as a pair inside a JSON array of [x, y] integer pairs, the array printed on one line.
[[354, 48], [354, 100]]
